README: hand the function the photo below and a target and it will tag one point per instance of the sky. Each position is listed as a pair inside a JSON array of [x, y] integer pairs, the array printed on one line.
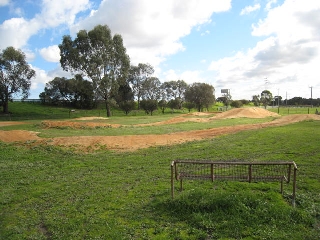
[[246, 46]]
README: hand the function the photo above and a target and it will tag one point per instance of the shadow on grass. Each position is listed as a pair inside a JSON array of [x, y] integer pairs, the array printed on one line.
[[237, 215]]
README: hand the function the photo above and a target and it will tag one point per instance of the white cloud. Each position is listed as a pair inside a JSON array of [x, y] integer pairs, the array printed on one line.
[[4, 2], [17, 31], [59, 12], [43, 77], [269, 4], [288, 54], [249, 9], [187, 76], [51, 53], [152, 29]]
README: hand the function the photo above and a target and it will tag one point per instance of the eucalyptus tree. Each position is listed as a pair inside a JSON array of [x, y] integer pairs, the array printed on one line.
[[151, 89], [201, 95], [174, 90], [256, 100], [56, 91], [76, 92], [150, 94], [99, 56], [125, 98], [138, 75], [266, 98], [15, 76]]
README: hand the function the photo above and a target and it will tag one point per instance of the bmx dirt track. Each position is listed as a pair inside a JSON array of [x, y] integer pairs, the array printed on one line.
[[134, 142]]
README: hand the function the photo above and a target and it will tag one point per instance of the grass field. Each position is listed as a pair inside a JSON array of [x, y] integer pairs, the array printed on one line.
[[51, 193]]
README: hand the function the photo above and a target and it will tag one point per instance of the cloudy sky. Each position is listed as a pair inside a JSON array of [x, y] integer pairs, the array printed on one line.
[[246, 46]]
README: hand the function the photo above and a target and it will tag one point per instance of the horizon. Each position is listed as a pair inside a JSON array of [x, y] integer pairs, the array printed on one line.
[[245, 46]]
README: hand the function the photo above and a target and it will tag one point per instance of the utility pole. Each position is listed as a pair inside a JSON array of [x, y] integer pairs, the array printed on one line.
[[278, 102], [311, 95]]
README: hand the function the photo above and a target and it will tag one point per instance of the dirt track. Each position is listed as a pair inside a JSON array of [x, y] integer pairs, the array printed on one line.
[[131, 143]]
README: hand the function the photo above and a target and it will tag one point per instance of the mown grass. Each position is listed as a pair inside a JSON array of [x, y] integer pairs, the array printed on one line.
[[50, 193], [35, 111], [283, 110], [62, 131], [130, 125]]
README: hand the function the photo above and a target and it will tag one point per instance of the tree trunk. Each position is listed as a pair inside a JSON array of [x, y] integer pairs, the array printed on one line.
[[108, 109], [6, 107], [5, 103]]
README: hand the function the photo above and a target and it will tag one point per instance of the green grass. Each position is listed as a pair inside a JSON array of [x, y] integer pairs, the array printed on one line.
[[129, 129], [293, 110], [50, 193], [35, 111]]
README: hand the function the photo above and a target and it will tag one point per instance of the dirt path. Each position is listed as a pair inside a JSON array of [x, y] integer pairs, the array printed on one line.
[[134, 142]]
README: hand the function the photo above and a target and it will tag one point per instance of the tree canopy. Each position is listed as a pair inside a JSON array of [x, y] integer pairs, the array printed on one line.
[[99, 56], [75, 92], [200, 94], [138, 76], [15, 76], [266, 98]]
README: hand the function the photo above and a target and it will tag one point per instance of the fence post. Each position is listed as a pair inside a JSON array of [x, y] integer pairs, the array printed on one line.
[[250, 172], [212, 177], [294, 186], [172, 180]]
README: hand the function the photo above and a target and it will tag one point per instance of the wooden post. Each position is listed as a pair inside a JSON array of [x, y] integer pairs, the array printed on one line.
[[212, 176], [294, 186], [172, 180], [250, 173], [289, 173]]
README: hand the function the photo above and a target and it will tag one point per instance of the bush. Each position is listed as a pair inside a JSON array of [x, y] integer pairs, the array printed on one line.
[[236, 104]]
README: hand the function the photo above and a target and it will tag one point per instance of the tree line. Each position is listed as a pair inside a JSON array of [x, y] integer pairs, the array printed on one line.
[[102, 72], [138, 92]]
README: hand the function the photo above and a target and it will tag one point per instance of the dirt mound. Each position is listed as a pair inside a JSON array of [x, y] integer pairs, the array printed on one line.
[[253, 112], [18, 136], [10, 123], [76, 125], [131, 143], [91, 118]]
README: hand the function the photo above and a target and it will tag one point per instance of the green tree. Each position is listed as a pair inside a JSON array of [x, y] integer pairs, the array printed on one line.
[[236, 104], [149, 105], [138, 75], [227, 99], [75, 92], [174, 90], [266, 98], [99, 56], [151, 89], [201, 94], [162, 104], [56, 91], [174, 104], [125, 98], [256, 100], [189, 105], [15, 76], [81, 92]]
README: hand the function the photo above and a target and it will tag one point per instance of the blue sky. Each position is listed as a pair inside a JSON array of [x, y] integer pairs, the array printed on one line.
[[246, 46]]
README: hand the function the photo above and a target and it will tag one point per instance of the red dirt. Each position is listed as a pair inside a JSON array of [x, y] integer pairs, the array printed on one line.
[[131, 143]]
